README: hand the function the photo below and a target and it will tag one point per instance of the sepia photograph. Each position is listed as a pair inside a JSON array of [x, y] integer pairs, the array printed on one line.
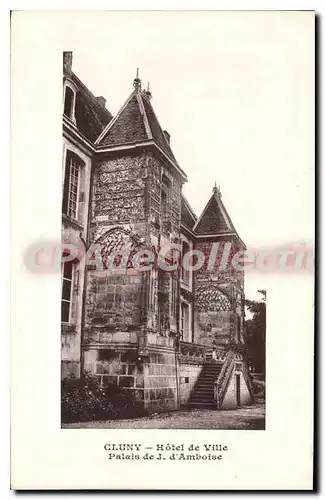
[[157, 331]]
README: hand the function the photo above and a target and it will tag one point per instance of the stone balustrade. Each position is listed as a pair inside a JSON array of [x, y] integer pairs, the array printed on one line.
[[200, 354]]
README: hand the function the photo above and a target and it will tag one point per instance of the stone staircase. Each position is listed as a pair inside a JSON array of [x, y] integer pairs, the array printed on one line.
[[203, 393]]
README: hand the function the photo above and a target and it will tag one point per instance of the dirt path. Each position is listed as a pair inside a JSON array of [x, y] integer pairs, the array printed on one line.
[[248, 417]]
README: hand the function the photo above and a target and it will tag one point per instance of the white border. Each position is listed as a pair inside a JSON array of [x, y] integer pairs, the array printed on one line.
[[120, 5]]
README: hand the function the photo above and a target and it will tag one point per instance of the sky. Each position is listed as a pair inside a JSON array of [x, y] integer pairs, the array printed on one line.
[[235, 92]]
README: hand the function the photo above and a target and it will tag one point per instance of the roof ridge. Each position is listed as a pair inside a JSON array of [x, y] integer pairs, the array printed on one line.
[[225, 213], [145, 117], [149, 103], [115, 118], [158, 135], [136, 121]]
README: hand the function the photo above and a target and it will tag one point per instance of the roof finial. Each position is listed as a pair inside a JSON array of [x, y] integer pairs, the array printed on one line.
[[147, 92], [216, 190], [137, 82]]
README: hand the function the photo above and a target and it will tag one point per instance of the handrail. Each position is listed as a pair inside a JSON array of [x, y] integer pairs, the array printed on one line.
[[248, 379], [221, 383]]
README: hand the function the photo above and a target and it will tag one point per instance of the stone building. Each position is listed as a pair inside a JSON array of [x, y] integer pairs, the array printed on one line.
[[173, 334]]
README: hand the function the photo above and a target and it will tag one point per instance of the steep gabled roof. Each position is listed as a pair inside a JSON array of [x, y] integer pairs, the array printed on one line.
[[126, 127], [91, 116], [214, 218], [135, 122], [188, 217], [155, 128]]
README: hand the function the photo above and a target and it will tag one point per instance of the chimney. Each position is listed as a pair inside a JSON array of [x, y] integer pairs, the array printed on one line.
[[101, 100], [67, 62], [167, 136]]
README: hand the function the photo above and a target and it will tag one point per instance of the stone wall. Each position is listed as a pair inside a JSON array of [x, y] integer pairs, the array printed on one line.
[[219, 295], [153, 380], [160, 381], [126, 213], [118, 227], [188, 375], [169, 226], [112, 301], [212, 327], [115, 366], [163, 229], [230, 398], [129, 337], [119, 190]]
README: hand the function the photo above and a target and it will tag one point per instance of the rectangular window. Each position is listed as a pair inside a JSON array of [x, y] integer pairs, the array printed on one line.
[[73, 189], [238, 328], [67, 277], [163, 302], [184, 323], [71, 185], [165, 204], [238, 390], [185, 273]]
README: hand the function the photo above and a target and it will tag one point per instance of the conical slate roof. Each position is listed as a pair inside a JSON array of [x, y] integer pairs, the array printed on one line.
[[214, 218], [135, 122]]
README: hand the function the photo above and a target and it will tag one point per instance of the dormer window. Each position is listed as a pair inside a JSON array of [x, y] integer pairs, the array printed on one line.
[[69, 100]]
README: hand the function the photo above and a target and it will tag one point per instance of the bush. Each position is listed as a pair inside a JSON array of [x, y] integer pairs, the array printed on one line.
[[84, 399], [259, 389]]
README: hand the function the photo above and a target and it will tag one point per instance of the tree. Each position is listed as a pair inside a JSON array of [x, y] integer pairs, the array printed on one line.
[[256, 333]]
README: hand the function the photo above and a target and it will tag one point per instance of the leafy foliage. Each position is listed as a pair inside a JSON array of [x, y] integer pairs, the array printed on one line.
[[84, 399], [258, 387], [256, 333]]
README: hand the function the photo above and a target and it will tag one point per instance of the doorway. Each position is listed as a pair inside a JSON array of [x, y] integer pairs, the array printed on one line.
[[238, 389]]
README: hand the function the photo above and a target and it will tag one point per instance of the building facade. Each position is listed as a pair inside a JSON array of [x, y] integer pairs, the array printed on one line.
[[173, 334]]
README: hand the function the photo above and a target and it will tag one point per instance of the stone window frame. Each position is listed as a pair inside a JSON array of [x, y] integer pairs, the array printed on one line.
[[186, 284], [165, 193], [162, 302], [72, 284], [188, 336], [68, 84], [73, 189], [71, 156]]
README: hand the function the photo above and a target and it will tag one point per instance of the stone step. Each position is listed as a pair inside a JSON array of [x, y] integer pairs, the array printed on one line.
[[201, 400], [202, 405], [209, 374], [211, 370], [201, 396], [206, 380], [204, 387]]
